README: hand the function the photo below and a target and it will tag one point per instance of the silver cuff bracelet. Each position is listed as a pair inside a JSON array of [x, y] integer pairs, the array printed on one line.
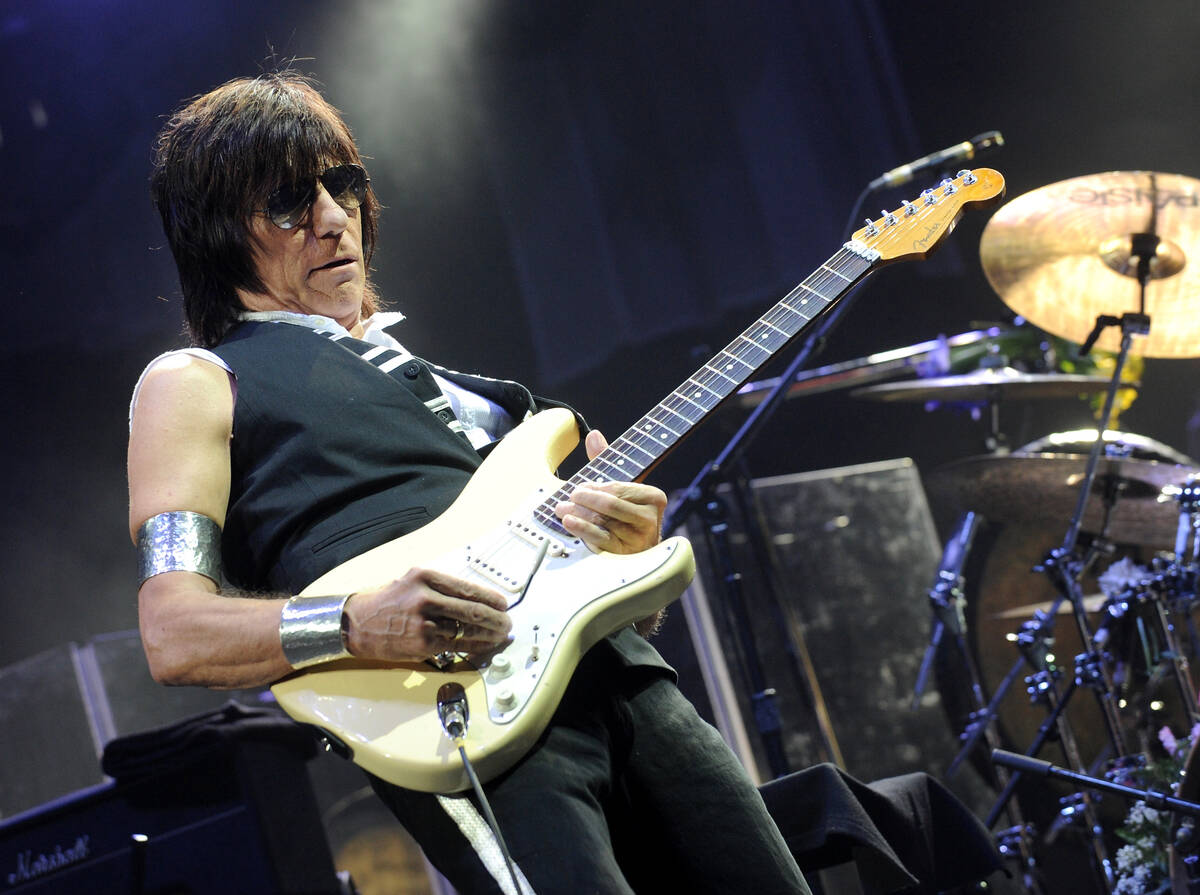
[[180, 541], [311, 630]]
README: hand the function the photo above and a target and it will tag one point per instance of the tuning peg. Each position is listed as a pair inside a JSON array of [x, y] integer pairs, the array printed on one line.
[[929, 197], [871, 229], [967, 177], [889, 219]]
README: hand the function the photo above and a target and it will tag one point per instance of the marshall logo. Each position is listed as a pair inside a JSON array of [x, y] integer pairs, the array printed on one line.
[[31, 866], [1120, 195]]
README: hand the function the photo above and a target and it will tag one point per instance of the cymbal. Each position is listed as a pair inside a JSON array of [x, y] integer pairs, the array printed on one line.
[[986, 385], [1061, 255], [1045, 488]]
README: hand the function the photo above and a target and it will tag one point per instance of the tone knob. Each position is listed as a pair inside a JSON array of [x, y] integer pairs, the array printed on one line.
[[506, 699]]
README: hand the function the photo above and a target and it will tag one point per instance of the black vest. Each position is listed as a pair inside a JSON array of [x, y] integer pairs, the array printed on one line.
[[331, 456]]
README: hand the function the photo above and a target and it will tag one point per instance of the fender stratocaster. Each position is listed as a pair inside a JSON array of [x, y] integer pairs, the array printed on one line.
[[503, 524]]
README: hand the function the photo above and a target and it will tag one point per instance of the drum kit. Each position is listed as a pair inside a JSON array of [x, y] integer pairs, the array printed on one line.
[[1073, 569]]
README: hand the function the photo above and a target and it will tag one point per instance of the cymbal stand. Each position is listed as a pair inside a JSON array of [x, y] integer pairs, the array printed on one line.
[[1063, 566]]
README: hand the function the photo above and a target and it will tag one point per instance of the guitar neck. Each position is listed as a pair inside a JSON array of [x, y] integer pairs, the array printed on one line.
[[911, 232], [647, 441]]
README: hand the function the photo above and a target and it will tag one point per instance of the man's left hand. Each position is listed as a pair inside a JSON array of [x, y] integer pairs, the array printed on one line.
[[617, 517]]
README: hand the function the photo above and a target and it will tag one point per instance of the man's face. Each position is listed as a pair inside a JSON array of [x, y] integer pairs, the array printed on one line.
[[316, 267]]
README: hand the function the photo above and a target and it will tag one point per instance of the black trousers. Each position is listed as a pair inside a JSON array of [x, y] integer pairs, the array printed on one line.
[[628, 790]]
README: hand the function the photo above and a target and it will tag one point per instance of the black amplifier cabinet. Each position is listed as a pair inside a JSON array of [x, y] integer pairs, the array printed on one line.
[[242, 819]]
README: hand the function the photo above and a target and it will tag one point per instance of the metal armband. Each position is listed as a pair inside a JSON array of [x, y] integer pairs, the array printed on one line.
[[312, 630], [179, 541]]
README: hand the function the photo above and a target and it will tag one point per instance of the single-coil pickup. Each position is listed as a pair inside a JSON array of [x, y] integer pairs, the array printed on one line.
[[536, 536], [498, 576]]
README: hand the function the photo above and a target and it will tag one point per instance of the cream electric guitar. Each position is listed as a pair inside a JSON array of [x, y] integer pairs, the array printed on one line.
[[563, 599]]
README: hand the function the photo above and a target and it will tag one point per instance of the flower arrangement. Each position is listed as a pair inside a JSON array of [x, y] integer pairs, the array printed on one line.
[[1142, 867]]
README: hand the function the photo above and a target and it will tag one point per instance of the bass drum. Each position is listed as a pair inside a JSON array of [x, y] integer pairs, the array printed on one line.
[[1003, 590]]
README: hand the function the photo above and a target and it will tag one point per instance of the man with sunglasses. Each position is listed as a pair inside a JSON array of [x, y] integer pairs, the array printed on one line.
[[297, 433]]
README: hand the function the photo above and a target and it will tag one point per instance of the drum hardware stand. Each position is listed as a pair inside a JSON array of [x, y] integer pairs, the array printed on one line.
[[1182, 595], [703, 493], [946, 599], [1034, 644], [1032, 641]]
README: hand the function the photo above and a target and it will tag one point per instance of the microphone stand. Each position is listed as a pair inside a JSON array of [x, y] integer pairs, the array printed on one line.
[[702, 494], [1153, 798]]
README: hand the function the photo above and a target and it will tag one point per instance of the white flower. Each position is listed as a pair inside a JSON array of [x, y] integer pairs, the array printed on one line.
[[1128, 885], [1128, 857], [1141, 813]]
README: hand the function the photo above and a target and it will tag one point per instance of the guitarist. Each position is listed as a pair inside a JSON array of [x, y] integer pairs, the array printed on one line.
[[297, 433]]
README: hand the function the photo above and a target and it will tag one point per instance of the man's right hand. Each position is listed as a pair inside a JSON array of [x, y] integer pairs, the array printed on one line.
[[418, 616]]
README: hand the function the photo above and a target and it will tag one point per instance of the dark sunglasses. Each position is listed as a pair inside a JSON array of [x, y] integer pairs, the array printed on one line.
[[346, 185]]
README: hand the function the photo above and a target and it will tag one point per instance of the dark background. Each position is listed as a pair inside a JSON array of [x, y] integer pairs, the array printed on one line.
[[592, 197]]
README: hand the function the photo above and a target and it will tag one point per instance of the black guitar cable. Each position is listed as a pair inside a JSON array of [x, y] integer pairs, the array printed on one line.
[[453, 712]]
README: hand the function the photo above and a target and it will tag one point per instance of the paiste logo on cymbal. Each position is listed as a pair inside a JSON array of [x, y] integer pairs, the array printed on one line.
[[1133, 196]]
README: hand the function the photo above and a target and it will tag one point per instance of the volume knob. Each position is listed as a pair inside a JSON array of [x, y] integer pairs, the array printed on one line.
[[501, 667]]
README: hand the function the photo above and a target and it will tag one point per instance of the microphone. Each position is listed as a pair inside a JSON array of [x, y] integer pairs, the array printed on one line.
[[963, 151]]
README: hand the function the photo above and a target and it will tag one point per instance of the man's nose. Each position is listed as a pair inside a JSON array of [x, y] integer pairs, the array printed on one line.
[[329, 218]]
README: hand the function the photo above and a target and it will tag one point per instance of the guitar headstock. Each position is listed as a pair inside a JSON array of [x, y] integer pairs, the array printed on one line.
[[918, 227]]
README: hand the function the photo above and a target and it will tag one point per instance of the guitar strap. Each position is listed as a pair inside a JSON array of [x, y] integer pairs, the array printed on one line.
[[483, 842], [413, 372]]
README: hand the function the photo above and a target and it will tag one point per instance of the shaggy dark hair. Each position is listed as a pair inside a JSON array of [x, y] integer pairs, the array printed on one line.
[[216, 162]]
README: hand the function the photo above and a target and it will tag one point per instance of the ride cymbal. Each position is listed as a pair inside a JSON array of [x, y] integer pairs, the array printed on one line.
[[1063, 254]]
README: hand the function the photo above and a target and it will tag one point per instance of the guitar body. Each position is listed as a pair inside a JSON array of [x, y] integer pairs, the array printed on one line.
[[386, 713]]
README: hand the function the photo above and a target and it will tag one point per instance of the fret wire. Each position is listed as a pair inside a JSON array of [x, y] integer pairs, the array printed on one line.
[[665, 409], [706, 387], [663, 425], [794, 319], [709, 379], [733, 382], [618, 447], [688, 400], [631, 448]]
